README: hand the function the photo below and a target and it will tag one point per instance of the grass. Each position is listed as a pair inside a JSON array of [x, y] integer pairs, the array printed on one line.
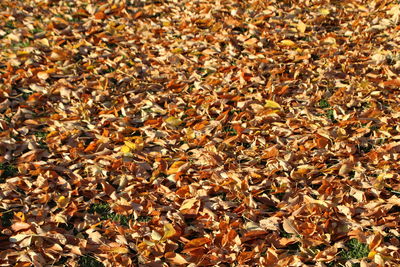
[[8, 171], [329, 113], [323, 103], [10, 25], [41, 136], [230, 131], [21, 44], [6, 218], [36, 30], [105, 212], [354, 250], [144, 218], [89, 261]]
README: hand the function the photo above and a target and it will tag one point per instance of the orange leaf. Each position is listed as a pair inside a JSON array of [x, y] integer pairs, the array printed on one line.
[[394, 82], [91, 147], [175, 258], [322, 142], [375, 242], [271, 152], [99, 15], [197, 242], [245, 256], [20, 215], [18, 226], [137, 15], [175, 167]]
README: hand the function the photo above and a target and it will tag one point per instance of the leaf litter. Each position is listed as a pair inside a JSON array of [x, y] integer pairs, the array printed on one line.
[[251, 133]]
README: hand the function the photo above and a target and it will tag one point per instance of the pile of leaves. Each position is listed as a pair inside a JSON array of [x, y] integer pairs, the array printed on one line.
[[201, 133]]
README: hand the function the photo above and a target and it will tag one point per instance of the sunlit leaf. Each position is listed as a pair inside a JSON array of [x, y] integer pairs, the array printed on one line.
[[289, 43], [155, 235], [301, 27], [173, 121], [272, 104], [62, 201], [175, 167], [169, 231]]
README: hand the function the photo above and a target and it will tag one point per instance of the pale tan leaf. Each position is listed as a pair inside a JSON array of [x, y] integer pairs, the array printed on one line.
[[188, 203], [289, 227]]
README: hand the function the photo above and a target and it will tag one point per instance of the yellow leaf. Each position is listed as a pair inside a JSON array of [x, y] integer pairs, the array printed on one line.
[[62, 201], [21, 216], [175, 167], [301, 27], [324, 11], [272, 104], [173, 121], [60, 218], [130, 144], [178, 51], [288, 43], [169, 231], [155, 235], [119, 250], [371, 254], [188, 203], [146, 242], [125, 149], [384, 176], [190, 134]]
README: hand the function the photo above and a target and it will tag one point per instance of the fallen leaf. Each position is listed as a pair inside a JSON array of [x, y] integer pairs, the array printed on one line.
[[289, 43], [169, 231], [188, 203], [173, 121], [197, 242], [289, 227], [301, 27], [175, 258], [43, 75], [63, 202], [18, 226], [175, 167], [272, 104]]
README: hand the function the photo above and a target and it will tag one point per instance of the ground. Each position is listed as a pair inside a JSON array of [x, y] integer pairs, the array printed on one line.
[[211, 133]]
